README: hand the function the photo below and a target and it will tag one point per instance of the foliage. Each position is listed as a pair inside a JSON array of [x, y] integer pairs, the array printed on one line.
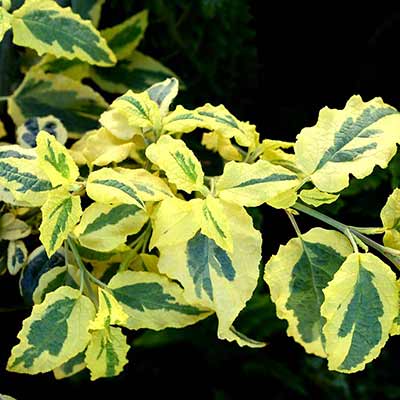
[[133, 233]]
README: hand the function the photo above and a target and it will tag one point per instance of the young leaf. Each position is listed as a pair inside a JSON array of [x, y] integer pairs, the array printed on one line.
[[5, 22], [148, 186], [163, 93], [153, 301], [71, 367], [17, 255], [348, 141], [173, 222], [48, 28], [296, 276], [104, 227], [55, 160], [390, 216], [179, 163], [212, 277], [60, 214], [316, 198], [12, 228], [129, 114], [125, 37], [76, 105], [360, 305], [100, 147], [56, 331], [110, 312], [49, 282], [38, 264], [111, 187], [27, 133], [138, 72], [254, 184], [106, 353], [273, 151], [214, 141]]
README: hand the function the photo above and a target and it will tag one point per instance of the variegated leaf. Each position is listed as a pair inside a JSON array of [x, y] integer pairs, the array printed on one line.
[[296, 276], [111, 187], [3, 132], [179, 163], [71, 367], [125, 37], [17, 255], [12, 228], [253, 184], [76, 105], [56, 331], [48, 28], [212, 277], [60, 214], [153, 301], [88, 9], [106, 353], [137, 72], [104, 227], [360, 305], [216, 142], [349, 141], [48, 282], [27, 133], [129, 114], [55, 160], [5, 22], [163, 93], [390, 216]]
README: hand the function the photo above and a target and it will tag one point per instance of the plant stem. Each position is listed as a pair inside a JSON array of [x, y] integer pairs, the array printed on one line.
[[392, 255], [294, 223], [3, 98]]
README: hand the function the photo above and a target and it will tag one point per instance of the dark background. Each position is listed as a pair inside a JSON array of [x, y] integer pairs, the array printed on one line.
[[277, 67]]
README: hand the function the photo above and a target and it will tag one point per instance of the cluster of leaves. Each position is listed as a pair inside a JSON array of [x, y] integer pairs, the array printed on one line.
[[133, 234]]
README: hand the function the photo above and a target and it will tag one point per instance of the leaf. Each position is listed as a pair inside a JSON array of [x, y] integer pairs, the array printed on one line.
[[105, 227], [111, 187], [390, 216], [348, 141], [137, 72], [48, 282], [55, 160], [38, 264], [216, 142], [71, 367], [152, 301], [17, 255], [297, 275], [48, 28], [24, 179], [395, 330], [5, 22], [125, 37], [12, 228], [60, 214], [254, 184], [360, 305], [148, 186], [173, 223], [179, 163], [182, 120], [163, 93], [106, 353], [56, 331], [316, 198], [145, 262], [273, 151], [76, 105], [100, 147], [88, 9], [110, 312], [3, 256], [130, 113], [27, 133], [214, 222], [3, 132], [220, 120], [213, 278]]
